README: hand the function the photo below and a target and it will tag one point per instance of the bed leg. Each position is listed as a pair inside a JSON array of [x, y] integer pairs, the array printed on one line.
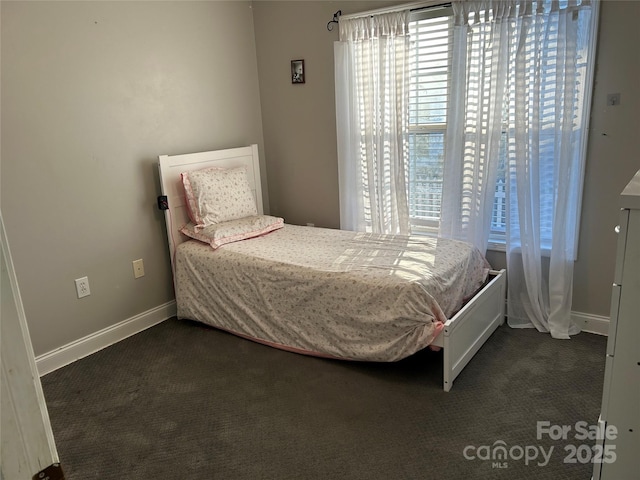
[[447, 374]]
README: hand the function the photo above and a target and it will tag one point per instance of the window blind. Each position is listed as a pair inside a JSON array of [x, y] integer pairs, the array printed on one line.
[[430, 65], [431, 33]]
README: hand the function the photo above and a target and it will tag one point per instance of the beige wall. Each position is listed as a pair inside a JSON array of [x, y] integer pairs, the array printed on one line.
[[299, 120], [300, 138], [92, 93], [613, 153]]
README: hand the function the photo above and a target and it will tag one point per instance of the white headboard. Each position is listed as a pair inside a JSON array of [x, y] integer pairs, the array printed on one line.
[[171, 166]]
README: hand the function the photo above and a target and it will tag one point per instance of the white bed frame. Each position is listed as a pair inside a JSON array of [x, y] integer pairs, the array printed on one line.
[[463, 334]]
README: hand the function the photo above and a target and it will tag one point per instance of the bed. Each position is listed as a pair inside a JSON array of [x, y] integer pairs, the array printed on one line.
[[324, 292]]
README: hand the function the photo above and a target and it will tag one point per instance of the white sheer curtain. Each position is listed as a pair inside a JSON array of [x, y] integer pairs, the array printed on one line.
[[372, 85], [518, 109], [547, 125], [474, 120], [524, 90]]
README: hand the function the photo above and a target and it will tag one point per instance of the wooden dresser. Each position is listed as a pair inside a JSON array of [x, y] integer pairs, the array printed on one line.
[[620, 411]]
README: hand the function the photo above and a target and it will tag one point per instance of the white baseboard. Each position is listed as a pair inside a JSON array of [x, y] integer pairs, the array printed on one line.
[[50, 361], [591, 323]]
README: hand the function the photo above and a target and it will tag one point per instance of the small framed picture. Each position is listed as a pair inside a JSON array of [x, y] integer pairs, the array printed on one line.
[[297, 71]]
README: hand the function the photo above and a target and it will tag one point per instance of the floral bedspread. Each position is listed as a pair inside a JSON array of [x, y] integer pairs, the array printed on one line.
[[329, 292]]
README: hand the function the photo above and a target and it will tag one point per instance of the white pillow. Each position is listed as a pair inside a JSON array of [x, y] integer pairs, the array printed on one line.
[[233, 230], [217, 195]]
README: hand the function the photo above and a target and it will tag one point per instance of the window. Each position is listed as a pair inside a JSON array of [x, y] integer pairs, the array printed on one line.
[[431, 57], [430, 68], [437, 129], [431, 33]]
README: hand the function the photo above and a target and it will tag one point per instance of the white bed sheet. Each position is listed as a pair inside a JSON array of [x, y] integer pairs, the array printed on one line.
[[329, 292]]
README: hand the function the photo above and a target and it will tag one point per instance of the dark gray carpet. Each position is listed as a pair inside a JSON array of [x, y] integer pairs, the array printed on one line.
[[184, 401]]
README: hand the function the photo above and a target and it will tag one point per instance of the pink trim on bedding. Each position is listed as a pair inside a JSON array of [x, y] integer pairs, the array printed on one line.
[[280, 346], [439, 326], [232, 238], [192, 208], [247, 235]]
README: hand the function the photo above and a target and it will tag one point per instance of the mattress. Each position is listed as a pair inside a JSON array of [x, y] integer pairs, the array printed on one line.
[[331, 293]]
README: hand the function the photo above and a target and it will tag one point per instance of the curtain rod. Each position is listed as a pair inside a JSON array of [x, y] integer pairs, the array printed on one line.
[[395, 8]]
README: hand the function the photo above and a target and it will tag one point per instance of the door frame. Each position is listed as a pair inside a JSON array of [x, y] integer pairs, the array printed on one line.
[[27, 442]]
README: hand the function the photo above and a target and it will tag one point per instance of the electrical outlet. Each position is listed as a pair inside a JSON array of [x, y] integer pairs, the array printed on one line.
[[82, 287], [138, 268]]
